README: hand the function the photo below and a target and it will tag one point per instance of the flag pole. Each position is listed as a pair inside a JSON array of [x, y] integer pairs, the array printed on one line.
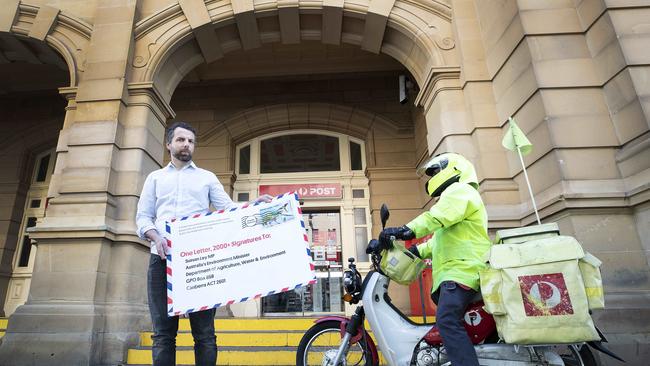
[[530, 190]]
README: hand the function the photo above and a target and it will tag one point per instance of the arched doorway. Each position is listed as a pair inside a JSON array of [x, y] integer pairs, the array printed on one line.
[[233, 63], [34, 211], [39, 55], [327, 170]]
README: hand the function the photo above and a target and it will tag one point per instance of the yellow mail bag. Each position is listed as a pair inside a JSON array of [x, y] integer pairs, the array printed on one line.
[[536, 292]]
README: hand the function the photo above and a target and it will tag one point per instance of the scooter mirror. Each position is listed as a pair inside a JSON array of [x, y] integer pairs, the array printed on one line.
[[384, 214]]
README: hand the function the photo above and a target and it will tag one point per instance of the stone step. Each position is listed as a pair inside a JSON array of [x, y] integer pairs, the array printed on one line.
[[285, 332], [249, 339], [236, 339], [3, 326], [242, 341], [225, 357], [270, 324], [228, 356], [255, 324]]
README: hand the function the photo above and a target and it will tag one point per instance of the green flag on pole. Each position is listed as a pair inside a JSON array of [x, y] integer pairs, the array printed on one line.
[[514, 138]]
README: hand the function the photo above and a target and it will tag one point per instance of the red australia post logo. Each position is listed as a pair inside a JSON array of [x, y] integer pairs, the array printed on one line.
[[545, 294]]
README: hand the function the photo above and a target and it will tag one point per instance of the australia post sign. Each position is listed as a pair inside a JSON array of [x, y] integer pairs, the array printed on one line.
[[324, 190]]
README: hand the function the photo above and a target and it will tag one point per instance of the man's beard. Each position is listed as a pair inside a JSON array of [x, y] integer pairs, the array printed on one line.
[[183, 157]]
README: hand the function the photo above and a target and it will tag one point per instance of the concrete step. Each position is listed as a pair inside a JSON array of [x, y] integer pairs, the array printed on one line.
[[255, 324], [3, 326], [270, 324], [236, 339], [229, 356], [271, 356], [241, 341]]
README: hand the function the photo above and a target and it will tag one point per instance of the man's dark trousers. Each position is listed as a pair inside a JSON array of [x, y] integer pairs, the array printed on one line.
[[165, 328], [452, 301]]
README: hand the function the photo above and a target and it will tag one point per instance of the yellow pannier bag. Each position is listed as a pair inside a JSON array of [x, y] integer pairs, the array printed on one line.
[[491, 291], [590, 270], [524, 234], [535, 292]]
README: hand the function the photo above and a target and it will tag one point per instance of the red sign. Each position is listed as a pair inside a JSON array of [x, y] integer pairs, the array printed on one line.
[[545, 294], [325, 190]]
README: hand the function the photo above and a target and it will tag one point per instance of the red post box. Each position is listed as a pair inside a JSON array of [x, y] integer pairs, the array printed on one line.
[[414, 288]]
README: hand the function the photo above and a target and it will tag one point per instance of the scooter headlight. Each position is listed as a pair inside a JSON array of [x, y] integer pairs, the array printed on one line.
[[352, 285]]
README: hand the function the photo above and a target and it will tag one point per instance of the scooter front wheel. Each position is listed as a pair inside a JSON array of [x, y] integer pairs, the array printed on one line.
[[319, 346]]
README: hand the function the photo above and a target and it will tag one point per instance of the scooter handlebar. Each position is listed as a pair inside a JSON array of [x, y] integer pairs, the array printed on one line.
[[373, 247]]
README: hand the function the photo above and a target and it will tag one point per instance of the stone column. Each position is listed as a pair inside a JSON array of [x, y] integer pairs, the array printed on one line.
[[477, 85], [88, 294]]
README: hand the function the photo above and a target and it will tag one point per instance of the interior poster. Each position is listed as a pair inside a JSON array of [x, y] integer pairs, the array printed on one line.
[[224, 257]]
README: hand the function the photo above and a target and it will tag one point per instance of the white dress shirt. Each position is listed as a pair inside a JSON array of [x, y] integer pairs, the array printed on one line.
[[171, 193]]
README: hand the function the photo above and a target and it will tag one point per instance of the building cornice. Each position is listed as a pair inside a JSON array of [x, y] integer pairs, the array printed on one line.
[[438, 79]]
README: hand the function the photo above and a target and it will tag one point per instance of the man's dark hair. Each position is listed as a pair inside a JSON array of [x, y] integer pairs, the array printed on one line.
[[169, 134]]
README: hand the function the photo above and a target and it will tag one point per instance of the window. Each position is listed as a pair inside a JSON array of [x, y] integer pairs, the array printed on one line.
[[355, 156], [299, 153], [41, 175], [245, 160], [26, 248], [361, 234], [359, 216], [305, 158]]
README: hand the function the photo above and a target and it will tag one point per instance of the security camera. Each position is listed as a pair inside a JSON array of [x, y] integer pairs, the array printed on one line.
[[403, 97]]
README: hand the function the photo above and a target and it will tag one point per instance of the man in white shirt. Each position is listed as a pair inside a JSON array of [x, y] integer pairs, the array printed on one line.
[[177, 190]]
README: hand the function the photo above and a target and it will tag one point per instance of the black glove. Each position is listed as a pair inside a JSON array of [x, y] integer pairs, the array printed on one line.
[[373, 247], [399, 233]]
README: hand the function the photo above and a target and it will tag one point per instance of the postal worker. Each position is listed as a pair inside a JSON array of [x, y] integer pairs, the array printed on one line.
[[179, 189], [458, 220]]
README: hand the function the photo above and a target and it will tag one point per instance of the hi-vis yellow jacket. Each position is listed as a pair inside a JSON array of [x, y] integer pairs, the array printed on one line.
[[460, 241]]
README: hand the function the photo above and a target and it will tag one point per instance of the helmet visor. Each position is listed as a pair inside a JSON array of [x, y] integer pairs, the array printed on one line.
[[432, 166]]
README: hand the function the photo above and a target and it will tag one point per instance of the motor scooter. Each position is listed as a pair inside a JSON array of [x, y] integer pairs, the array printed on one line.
[[342, 341]]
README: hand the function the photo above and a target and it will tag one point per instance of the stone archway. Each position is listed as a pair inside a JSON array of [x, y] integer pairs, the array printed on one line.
[[173, 41], [64, 33]]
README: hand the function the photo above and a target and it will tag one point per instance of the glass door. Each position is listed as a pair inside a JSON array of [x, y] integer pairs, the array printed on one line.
[[324, 233]]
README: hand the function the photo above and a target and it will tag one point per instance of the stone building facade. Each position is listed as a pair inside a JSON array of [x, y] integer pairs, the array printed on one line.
[[574, 73]]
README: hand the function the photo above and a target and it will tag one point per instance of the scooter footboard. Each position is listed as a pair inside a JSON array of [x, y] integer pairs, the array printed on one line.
[[510, 355]]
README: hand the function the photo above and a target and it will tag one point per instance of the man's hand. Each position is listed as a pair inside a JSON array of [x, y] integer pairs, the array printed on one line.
[[161, 247], [157, 240]]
